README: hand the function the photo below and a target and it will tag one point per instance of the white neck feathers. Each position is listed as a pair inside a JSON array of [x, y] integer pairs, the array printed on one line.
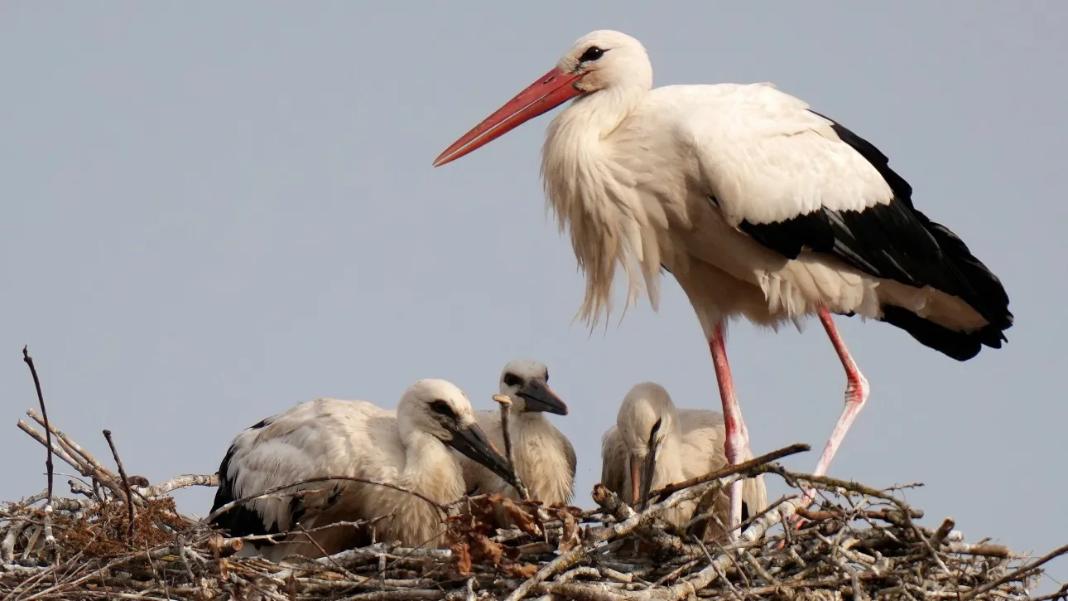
[[594, 195]]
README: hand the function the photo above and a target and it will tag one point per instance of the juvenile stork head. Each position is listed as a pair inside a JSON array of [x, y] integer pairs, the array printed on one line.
[[646, 418], [599, 61], [439, 408], [526, 382]]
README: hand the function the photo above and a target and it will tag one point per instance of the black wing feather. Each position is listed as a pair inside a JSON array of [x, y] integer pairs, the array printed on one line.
[[897, 242], [242, 520]]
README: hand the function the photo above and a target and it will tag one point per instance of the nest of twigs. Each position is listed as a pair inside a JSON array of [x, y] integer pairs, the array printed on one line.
[[852, 541]]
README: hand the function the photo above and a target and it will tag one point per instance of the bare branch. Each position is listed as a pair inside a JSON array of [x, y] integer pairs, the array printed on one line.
[[1015, 574], [731, 469], [182, 481], [49, 538], [125, 485], [279, 489], [506, 406]]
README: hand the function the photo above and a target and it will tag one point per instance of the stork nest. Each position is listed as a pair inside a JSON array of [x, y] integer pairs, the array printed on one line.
[[851, 541]]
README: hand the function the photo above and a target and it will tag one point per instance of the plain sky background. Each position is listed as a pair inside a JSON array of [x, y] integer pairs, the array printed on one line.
[[213, 211]]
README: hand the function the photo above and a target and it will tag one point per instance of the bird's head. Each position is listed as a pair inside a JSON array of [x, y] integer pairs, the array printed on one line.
[[604, 59], [526, 382], [439, 408], [645, 419], [599, 60]]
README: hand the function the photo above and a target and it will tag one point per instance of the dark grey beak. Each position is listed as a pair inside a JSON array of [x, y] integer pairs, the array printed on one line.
[[648, 469], [472, 442], [539, 397], [649, 466]]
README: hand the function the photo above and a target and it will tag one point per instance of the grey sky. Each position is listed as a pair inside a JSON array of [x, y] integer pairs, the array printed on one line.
[[213, 211]]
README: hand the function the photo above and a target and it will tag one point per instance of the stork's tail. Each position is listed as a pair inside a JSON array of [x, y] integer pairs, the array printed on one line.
[[974, 283]]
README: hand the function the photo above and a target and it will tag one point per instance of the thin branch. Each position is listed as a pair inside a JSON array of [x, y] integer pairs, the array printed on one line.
[[277, 489], [793, 449], [506, 406], [555, 566], [183, 481], [56, 450], [986, 550], [833, 483], [125, 485], [1013, 575], [1059, 595], [49, 538], [85, 462], [332, 561]]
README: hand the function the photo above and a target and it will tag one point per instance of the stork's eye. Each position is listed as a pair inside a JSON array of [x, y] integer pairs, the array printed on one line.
[[511, 379], [592, 53], [546, 376], [443, 408]]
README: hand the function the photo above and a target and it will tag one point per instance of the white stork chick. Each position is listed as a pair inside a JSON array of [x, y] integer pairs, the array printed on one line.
[[759, 206], [406, 448], [544, 457], [653, 444]]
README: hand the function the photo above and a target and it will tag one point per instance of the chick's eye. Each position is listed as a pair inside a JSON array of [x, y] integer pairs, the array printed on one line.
[[591, 54], [511, 379], [441, 407]]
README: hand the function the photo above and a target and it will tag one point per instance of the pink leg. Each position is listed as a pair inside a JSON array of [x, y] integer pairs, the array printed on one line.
[[855, 395], [736, 445]]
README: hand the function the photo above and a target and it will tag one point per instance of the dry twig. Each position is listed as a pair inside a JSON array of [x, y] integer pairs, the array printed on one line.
[[125, 485], [50, 538], [506, 406], [285, 487]]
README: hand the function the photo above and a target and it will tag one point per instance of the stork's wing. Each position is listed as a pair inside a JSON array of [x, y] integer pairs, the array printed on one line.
[[572, 459], [325, 437], [614, 462], [795, 180]]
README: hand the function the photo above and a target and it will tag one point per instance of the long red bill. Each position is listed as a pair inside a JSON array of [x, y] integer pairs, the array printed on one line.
[[549, 91]]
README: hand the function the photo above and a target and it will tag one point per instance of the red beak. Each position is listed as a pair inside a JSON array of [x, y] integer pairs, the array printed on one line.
[[548, 92]]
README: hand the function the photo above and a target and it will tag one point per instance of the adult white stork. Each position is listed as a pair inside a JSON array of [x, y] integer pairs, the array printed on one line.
[[654, 444], [544, 457], [404, 451], [758, 205]]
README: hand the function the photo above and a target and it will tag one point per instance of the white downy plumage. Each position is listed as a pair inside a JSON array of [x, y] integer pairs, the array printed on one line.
[[654, 444], [544, 457], [406, 448]]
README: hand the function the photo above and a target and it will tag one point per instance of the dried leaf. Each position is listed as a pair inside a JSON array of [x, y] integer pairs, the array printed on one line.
[[487, 511], [520, 517], [463, 558], [485, 550], [569, 539], [521, 570]]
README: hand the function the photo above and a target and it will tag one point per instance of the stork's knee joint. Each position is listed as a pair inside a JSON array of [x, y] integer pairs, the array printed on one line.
[[857, 389], [734, 446]]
